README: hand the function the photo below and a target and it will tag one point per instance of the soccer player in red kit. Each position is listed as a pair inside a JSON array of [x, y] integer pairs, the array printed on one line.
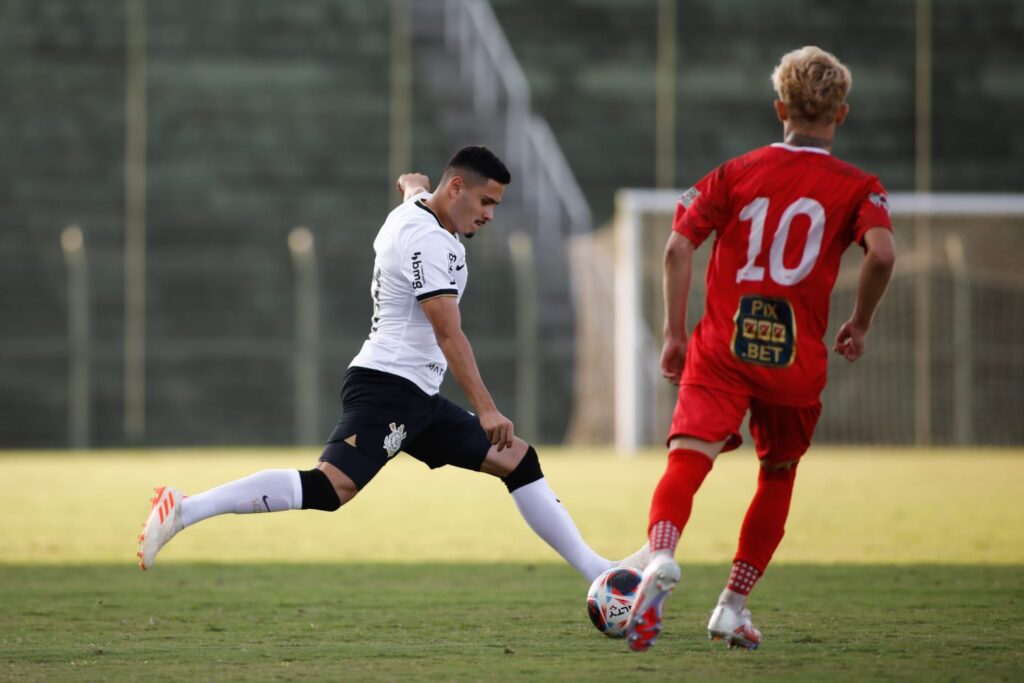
[[781, 216]]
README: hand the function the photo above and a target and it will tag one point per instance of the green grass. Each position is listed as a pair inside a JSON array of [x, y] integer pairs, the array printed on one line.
[[468, 622], [897, 565]]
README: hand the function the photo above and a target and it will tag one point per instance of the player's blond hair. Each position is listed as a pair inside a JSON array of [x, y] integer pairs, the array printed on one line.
[[812, 84]]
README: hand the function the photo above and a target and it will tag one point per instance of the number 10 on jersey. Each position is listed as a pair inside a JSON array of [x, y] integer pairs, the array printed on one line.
[[757, 212]]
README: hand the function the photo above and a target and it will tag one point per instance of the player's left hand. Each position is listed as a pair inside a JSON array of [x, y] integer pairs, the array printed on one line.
[[851, 340]]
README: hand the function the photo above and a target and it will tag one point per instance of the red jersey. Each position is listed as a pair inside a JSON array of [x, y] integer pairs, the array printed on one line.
[[783, 216]]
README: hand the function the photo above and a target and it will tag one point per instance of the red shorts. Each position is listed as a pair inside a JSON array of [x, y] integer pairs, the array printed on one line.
[[781, 433]]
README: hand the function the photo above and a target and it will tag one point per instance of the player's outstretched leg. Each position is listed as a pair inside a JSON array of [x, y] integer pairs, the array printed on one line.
[[660, 578], [545, 515], [266, 491]]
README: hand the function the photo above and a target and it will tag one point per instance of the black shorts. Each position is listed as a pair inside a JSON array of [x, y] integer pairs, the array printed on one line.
[[384, 414]]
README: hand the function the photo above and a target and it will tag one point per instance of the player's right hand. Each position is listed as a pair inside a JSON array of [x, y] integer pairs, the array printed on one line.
[[673, 355], [851, 340], [498, 428], [412, 183]]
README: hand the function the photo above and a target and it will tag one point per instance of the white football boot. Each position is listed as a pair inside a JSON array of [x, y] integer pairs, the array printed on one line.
[[637, 560], [163, 523], [660, 578], [733, 627]]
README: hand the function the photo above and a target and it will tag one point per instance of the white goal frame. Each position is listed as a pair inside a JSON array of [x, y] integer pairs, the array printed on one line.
[[633, 343]]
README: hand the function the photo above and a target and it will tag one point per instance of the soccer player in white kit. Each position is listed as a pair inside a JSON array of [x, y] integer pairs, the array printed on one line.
[[390, 394]]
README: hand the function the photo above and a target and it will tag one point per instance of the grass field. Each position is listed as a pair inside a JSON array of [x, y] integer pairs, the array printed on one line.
[[897, 565]]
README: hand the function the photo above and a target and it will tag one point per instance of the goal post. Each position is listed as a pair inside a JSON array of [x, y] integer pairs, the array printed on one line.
[[945, 359], [633, 341]]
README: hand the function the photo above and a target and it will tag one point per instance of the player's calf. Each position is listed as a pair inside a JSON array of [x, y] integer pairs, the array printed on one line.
[[542, 510]]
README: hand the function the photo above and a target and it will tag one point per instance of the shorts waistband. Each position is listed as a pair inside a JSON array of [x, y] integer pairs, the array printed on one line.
[[361, 374]]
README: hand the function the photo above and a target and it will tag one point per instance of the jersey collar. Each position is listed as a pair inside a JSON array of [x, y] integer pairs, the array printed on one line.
[[420, 203], [794, 148]]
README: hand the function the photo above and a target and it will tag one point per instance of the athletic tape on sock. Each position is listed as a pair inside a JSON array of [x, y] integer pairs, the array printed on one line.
[[526, 472], [318, 492]]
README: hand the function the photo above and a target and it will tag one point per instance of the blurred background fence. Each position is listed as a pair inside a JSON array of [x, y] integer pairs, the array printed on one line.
[[159, 160]]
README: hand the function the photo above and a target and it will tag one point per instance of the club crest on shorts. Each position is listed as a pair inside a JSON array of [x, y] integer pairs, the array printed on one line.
[[393, 441]]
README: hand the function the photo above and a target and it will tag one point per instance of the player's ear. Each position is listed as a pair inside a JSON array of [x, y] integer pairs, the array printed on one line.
[[844, 109], [455, 186], [780, 110]]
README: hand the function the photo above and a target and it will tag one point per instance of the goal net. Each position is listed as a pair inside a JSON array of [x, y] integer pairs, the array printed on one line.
[[945, 356]]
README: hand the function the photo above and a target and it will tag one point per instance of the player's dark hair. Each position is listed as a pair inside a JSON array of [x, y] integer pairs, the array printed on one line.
[[479, 160]]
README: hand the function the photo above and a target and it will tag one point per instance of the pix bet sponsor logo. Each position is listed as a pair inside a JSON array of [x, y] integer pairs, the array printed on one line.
[[766, 332], [417, 271]]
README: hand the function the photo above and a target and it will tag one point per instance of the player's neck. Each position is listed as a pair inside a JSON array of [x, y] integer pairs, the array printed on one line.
[[822, 139], [440, 211]]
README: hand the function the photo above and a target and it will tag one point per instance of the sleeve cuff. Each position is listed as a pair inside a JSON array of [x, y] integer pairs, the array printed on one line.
[[436, 293]]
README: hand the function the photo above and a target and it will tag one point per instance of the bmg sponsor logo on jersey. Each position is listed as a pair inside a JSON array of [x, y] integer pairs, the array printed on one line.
[[451, 265], [417, 271]]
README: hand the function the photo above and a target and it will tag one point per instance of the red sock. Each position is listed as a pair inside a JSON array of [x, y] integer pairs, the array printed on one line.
[[765, 523], [673, 497]]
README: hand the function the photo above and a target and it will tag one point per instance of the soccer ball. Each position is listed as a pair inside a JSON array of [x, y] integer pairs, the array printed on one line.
[[610, 599]]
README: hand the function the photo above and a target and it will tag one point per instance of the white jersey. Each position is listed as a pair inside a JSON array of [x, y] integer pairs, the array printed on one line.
[[417, 259]]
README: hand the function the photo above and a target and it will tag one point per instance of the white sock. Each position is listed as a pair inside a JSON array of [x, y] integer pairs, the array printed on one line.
[[638, 560], [732, 599], [266, 491], [542, 510]]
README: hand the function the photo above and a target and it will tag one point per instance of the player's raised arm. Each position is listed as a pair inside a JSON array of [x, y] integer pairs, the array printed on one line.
[[676, 286], [879, 260], [411, 184], [443, 314]]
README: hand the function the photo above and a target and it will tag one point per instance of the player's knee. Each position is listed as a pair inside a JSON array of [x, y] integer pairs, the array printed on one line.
[[318, 492], [779, 470], [526, 472]]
